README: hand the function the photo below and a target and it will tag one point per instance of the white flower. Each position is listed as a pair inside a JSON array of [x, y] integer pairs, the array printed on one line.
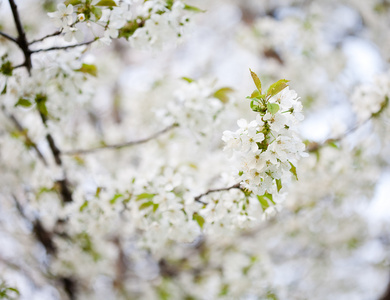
[[73, 32], [81, 17], [62, 17]]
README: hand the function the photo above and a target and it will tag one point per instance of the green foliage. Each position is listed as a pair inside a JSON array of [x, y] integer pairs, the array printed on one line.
[[264, 200], [145, 196], [88, 69], [222, 94], [6, 68], [106, 3], [193, 8], [97, 12], [189, 80], [23, 102], [277, 87], [128, 30], [84, 206], [7, 292], [199, 219], [256, 80], [40, 100], [278, 184], [73, 2], [293, 170]]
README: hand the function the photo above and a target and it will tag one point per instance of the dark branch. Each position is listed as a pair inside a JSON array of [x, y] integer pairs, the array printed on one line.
[[62, 47], [121, 145], [8, 37], [63, 184], [235, 186], [58, 32], [22, 41]]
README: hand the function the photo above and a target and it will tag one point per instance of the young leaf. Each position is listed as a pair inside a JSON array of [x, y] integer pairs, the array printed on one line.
[[89, 69], [23, 102], [73, 2], [106, 3], [277, 87], [256, 80], [263, 201], [193, 8], [199, 219], [189, 80], [221, 94], [97, 12], [145, 196], [293, 170], [278, 184], [83, 206], [273, 108], [255, 94], [146, 205]]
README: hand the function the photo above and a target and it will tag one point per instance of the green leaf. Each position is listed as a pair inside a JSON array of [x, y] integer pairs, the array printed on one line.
[[199, 219], [84, 205], [106, 3], [89, 69], [145, 196], [333, 145], [4, 90], [146, 205], [7, 68], [273, 108], [40, 100], [189, 80], [97, 12], [264, 200], [221, 94], [255, 94], [116, 197], [256, 80], [73, 2], [293, 170], [193, 8], [23, 102], [278, 184], [277, 87]]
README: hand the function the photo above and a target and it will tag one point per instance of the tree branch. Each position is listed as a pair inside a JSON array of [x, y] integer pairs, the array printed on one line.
[[235, 186], [62, 47], [21, 40], [8, 37], [63, 184], [121, 145], [58, 32]]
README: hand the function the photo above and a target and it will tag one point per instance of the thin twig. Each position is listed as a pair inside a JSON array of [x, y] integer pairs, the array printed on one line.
[[58, 32], [62, 47], [235, 186], [314, 146], [8, 37], [121, 145]]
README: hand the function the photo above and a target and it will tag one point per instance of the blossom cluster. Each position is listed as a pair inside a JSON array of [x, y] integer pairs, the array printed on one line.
[[268, 147], [369, 99], [145, 24]]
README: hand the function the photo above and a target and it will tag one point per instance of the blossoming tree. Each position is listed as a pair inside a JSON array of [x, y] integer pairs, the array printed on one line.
[[141, 159]]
